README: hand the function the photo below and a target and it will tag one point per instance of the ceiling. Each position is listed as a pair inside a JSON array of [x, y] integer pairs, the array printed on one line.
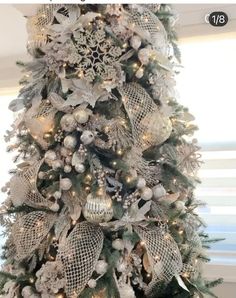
[[14, 36]]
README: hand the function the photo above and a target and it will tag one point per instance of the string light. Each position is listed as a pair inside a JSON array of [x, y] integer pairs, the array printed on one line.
[[31, 280], [119, 152], [142, 243]]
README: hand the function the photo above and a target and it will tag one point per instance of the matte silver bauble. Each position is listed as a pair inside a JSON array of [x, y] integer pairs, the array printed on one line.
[[118, 244], [70, 142], [158, 191], [141, 183], [80, 168], [146, 193], [87, 137], [68, 123], [65, 183], [81, 115]]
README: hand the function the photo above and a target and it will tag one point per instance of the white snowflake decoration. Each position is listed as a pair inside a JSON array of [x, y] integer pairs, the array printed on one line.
[[99, 56]]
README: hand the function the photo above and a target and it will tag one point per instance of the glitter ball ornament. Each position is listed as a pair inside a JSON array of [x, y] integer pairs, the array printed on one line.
[[65, 184], [139, 73], [144, 55], [146, 193], [180, 205], [67, 168], [158, 130], [118, 244], [54, 207], [98, 208], [70, 142], [141, 183], [81, 115], [158, 191], [87, 137], [50, 155], [92, 283], [135, 42], [68, 123], [101, 267], [80, 168]]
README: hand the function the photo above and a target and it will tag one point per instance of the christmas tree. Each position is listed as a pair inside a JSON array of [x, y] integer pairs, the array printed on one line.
[[102, 203]]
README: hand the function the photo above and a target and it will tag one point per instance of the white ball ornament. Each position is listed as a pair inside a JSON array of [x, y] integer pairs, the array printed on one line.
[[65, 183], [70, 142], [121, 267], [41, 175], [50, 155], [68, 123], [139, 73], [57, 164], [146, 193], [180, 205], [67, 168], [135, 42], [54, 207], [118, 244], [65, 151], [158, 191], [80, 168], [101, 267], [144, 56], [57, 195], [81, 116], [141, 183], [92, 283], [87, 137]]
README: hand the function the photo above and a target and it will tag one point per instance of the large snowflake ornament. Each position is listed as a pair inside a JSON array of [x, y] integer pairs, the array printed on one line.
[[99, 55]]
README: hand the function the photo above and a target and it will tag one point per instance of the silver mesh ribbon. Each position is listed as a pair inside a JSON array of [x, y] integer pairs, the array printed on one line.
[[163, 253], [149, 126], [144, 22], [37, 26], [79, 255], [39, 120], [23, 188], [29, 231]]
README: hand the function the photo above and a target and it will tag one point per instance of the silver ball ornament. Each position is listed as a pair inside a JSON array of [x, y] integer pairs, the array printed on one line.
[[144, 55], [135, 42], [87, 137], [81, 115], [70, 142], [98, 208], [57, 195], [50, 155], [146, 193], [80, 168], [92, 283], [158, 191], [180, 205], [141, 183], [65, 183], [121, 267], [101, 267], [68, 123], [54, 207], [67, 168], [65, 151], [139, 73], [57, 164], [118, 244]]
